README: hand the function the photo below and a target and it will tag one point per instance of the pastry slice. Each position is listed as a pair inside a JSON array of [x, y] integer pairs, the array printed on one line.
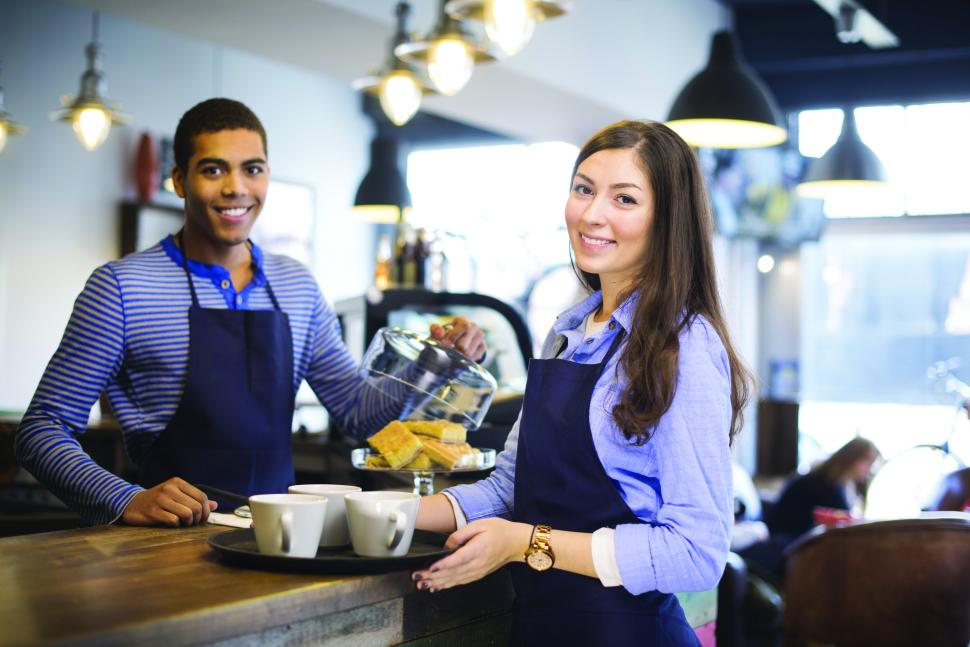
[[375, 460], [396, 444], [421, 462], [448, 455], [443, 430]]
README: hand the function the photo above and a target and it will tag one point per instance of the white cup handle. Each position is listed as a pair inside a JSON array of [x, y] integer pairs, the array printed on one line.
[[286, 526], [396, 532]]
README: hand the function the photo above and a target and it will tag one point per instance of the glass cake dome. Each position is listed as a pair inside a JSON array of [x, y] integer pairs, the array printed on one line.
[[426, 379]]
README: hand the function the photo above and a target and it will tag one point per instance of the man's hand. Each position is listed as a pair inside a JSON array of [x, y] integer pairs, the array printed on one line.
[[172, 503], [462, 335]]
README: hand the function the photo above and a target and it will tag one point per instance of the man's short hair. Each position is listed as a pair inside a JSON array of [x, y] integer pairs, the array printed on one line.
[[211, 116]]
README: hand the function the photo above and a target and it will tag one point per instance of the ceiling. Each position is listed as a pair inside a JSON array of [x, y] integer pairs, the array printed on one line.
[[606, 59], [603, 61], [793, 47]]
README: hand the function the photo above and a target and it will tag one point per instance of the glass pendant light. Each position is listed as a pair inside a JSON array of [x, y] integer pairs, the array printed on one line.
[[398, 86], [726, 105], [450, 53], [8, 126], [508, 23], [90, 113], [400, 96], [848, 167], [450, 64]]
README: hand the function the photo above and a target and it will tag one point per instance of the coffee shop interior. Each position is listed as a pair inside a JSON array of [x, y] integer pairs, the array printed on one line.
[[842, 244]]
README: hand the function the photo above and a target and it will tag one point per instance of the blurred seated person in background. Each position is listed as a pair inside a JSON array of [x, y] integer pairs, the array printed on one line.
[[838, 483]]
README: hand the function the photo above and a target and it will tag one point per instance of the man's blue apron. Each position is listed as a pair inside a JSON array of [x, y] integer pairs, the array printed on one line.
[[232, 426]]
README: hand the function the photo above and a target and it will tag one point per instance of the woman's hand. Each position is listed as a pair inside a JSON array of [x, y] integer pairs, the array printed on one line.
[[483, 547], [462, 335]]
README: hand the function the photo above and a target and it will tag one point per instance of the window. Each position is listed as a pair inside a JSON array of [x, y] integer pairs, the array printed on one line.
[[923, 147], [499, 212], [883, 301]]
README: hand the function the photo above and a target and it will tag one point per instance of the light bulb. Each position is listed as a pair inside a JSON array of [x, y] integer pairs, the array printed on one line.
[[3, 136], [400, 96], [509, 24], [766, 263], [450, 64], [91, 125]]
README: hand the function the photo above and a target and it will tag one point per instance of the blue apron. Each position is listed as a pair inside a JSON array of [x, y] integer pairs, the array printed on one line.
[[560, 481], [233, 424]]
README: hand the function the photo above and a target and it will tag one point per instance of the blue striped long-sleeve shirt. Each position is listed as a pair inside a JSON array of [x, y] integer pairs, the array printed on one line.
[[678, 483], [129, 335]]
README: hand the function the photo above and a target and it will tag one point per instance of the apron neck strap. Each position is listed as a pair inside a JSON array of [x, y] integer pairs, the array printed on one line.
[[188, 276], [615, 346], [185, 266], [272, 296]]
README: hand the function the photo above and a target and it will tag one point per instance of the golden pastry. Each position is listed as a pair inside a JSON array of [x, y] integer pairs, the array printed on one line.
[[376, 460], [396, 444], [448, 455], [443, 430], [420, 462]]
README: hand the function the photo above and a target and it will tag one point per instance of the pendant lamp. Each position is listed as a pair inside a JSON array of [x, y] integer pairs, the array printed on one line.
[[7, 125], [726, 105], [398, 86], [508, 23], [848, 166], [449, 53], [90, 113], [383, 195]]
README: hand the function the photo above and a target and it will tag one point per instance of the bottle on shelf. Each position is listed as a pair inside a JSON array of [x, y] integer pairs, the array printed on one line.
[[382, 268], [397, 260], [421, 252], [409, 266]]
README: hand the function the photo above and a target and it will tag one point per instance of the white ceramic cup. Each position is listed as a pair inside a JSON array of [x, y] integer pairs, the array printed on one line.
[[288, 524], [381, 522], [336, 533]]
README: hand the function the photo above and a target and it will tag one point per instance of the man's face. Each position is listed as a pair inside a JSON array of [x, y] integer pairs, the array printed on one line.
[[224, 186]]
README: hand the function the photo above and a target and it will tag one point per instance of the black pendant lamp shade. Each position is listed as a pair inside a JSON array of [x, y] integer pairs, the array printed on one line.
[[848, 165], [725, 105], [383, 193]]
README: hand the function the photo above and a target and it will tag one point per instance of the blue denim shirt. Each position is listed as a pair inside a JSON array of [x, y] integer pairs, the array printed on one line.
[[678, 484]]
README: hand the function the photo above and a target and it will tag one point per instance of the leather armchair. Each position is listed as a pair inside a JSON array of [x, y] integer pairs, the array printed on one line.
[[899, 582]]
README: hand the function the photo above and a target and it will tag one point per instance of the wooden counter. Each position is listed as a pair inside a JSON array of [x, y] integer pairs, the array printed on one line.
[[120, 585]]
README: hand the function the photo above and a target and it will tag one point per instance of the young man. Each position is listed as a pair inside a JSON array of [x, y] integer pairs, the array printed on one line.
[[200, 343]]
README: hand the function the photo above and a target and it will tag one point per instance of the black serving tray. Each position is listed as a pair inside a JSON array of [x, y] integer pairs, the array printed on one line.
[[238, 548]]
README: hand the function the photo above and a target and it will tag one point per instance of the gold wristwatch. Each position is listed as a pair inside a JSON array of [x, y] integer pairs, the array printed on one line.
[[539, 555]]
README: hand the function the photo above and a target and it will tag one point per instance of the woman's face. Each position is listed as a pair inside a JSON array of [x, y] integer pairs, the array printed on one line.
[[608, 216]]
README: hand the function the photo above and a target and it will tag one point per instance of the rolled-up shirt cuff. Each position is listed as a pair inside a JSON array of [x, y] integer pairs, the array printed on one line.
[[460, 521], [604, 558]]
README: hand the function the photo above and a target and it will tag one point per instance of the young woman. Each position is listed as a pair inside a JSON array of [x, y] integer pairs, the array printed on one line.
[[614, 489], [840, 482]]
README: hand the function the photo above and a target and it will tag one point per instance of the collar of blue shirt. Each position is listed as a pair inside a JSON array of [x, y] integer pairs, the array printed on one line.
[[216, 273]]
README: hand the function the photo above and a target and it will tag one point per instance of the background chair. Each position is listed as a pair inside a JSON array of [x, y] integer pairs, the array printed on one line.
[[953, 492], [900, 582]]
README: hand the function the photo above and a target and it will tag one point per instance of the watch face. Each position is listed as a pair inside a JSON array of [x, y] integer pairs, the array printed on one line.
[[539, 561]]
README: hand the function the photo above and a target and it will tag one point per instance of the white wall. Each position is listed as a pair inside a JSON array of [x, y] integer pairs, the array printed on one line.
[[780, 319], [59, 203], [737, 277]]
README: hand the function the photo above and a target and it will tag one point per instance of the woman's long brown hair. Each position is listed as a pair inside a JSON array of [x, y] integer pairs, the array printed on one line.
[[676, 283], [838, 468]]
